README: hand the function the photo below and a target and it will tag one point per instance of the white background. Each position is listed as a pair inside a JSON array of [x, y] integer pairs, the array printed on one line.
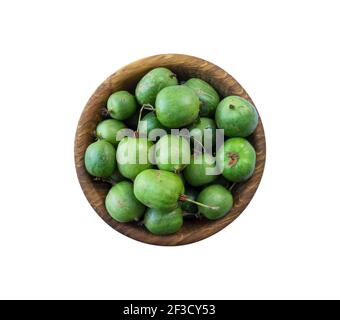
[[53, 56]]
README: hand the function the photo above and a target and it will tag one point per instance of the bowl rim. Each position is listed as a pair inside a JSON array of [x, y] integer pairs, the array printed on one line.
[[145, 237]]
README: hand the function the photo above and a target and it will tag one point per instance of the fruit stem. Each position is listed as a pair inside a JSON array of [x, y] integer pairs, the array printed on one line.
[[232, 186], [199, 142], [231, 106], [184, 197], [146, 107]]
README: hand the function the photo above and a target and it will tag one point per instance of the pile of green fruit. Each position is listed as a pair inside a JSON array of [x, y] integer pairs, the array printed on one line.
[[155, 190]]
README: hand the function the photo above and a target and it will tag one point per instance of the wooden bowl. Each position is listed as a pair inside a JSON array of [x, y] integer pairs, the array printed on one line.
[[126, 79]]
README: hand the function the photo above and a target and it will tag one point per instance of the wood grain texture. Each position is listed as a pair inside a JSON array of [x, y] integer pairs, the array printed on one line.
[[126, 79]]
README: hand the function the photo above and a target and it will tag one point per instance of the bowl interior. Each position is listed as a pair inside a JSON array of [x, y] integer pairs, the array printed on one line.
[[126, 79]]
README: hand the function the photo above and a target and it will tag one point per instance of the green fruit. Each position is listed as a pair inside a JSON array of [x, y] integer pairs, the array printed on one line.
[[217, 196], [100, 159], [190, 207], [195, 173], [237, 159], [204, 128], [162, 223], [108, 129], [237, 116], [172, 153], [153, 82], [207, 95], [121, 105], [158, 189], [149, 122], [122, 204], [133, 156], [177, 106]]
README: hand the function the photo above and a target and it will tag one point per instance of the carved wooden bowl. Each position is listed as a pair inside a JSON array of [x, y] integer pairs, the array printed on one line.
[[126, 79]]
